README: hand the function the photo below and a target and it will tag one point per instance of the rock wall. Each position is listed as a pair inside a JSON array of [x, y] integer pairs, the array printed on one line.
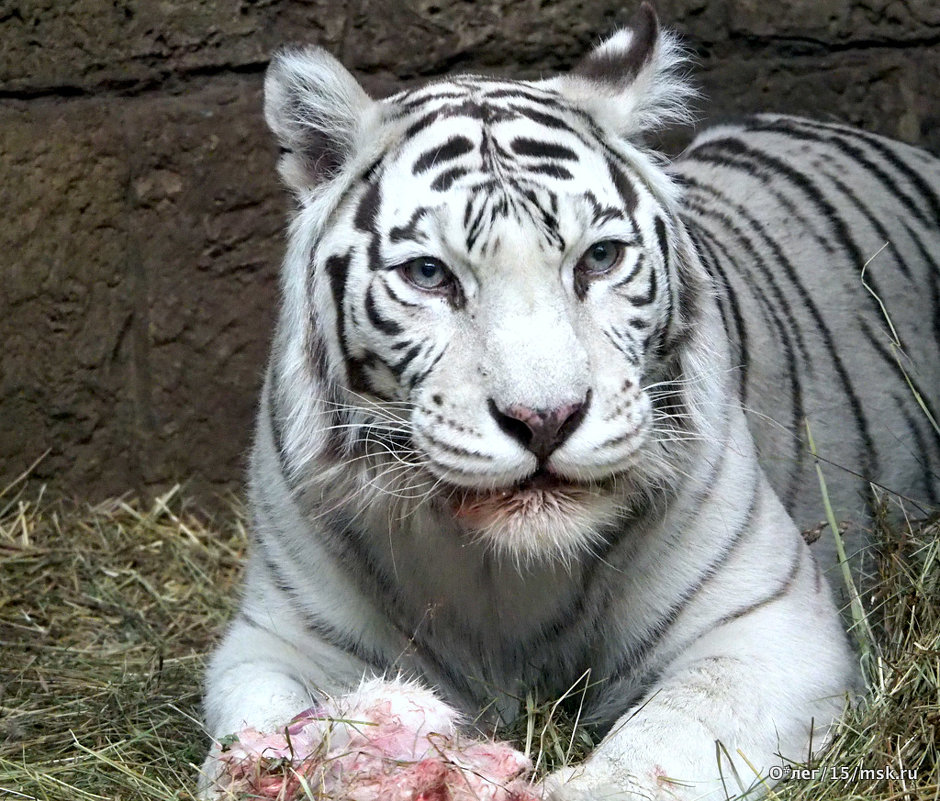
[[144, 222]]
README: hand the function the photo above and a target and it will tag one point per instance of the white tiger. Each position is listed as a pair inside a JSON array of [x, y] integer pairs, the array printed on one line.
[[502, 438]]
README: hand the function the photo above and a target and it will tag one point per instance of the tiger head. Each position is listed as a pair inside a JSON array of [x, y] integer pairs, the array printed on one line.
[[490, 308]]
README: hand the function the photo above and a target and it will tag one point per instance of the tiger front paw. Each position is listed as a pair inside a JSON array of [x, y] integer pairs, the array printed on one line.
[[598, 780]]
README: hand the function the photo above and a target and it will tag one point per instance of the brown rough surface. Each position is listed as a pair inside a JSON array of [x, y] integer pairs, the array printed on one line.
[[137, 310], [145, 224]]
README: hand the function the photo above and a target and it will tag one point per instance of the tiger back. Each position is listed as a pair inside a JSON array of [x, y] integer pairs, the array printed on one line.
[[822, 241]]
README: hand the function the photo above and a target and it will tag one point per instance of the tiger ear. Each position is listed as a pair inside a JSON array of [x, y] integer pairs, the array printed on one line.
[[634, 81], [318, 112]]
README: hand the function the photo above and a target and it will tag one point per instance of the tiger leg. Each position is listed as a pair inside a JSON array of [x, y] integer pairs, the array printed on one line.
[[760, 687], [383, 739], [255, 680]]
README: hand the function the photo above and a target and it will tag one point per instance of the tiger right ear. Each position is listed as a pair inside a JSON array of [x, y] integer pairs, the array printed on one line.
[[317, 111], [633, 82]]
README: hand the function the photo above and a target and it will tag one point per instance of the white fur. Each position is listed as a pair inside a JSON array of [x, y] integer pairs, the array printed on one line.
[[474, 594]]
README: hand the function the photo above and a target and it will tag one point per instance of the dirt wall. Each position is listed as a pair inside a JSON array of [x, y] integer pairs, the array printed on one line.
[[144, 223]]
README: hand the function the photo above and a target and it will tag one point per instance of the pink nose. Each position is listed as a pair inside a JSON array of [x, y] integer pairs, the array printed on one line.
[[540, 430]]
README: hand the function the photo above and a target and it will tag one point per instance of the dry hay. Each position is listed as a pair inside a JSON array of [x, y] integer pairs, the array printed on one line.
[[106, 612]]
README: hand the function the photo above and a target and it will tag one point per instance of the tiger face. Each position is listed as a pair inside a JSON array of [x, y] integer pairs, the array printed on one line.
[[497, 298]]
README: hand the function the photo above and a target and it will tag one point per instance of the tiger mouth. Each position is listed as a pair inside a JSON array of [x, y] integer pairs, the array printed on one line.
[[528, 496], [540, 481]]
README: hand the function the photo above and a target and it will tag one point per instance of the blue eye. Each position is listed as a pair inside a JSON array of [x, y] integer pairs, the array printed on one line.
[[426, 273], [601, 257]]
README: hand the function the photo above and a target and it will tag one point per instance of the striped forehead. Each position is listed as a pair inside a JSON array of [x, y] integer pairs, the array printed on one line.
[[475, 132], [510, 151]]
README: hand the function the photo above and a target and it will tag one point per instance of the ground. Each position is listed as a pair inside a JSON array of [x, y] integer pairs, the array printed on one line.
[[107, 612]]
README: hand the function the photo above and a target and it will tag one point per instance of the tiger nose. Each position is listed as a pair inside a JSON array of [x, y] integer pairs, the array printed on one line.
[[541, 431]]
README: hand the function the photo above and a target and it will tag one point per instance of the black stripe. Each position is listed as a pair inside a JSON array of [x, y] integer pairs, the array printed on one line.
[[639, 650], [920, 451], [453, 148], [646, 299], [783, 320], [670, 398], [420, 124], [547, 120], [368, 208], [926, 191], [366, 219], [400, 366], [349, 548], [455, 449], [617, 440], [337, 270], [359, 373], [327, 633], [622, 344], [784, 327], [399, 300], [443, 665], [640, 261], [545, 219], [369, 174], [728, 302], [662, 239], [445, 180], [519, 93], [313, 623], [468, 210], [418, 378], [872, 219], [622, 185], [774, 171], [551, 170], [409, 231], [472, 109], [934, 269], [602, 214], [315, 353], [801, 129], [716, 156], [260, 546], [478, 224], [383, 324], [431, 96], [648, 679], [526, 146], [888, 357], [785, 587]]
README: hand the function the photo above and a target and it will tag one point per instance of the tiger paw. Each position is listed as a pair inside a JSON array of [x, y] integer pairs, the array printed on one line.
[[600, 779], [611, 780], [388, 741]]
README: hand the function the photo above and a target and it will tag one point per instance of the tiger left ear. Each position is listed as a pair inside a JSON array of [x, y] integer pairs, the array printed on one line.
[[633, 82], [319, 113]]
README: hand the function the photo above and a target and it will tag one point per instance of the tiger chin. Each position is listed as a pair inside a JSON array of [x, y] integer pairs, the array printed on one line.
[[502, 442], [539, 518]]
